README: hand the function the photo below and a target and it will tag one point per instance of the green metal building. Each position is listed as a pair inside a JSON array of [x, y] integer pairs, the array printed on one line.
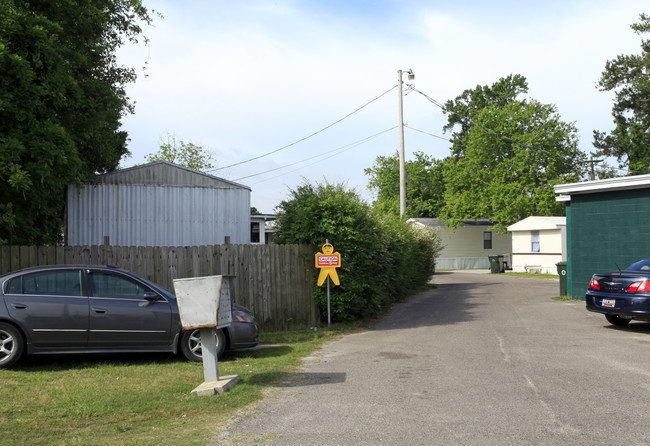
[[608, 226]]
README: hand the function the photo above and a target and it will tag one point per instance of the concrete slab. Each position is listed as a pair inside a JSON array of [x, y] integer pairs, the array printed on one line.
[[216, 387]]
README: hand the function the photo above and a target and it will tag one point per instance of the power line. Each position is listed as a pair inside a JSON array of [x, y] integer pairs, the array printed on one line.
[[345, 149], [426, 133], [306, 137], [444, 109], [338, 150]]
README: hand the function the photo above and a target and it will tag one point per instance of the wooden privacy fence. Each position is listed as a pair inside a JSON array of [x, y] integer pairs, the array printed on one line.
[[274, 281]]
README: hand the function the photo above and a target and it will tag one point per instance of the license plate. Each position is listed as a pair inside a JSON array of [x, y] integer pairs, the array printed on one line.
[[609, 302]]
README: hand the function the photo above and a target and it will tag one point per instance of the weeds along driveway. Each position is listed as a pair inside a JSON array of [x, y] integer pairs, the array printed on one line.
[[482, 359]]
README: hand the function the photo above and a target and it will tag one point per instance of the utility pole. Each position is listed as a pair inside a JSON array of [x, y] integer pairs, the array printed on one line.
[[592, 161], [402, 166]]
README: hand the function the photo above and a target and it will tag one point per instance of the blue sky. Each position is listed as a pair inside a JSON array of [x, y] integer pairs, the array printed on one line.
[[246, 78]]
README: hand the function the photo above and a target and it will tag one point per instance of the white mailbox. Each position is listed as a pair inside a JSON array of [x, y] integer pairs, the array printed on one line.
[[203, 302]]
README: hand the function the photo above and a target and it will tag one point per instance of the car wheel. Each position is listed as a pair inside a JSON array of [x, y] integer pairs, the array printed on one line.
[[615, 319], [11, 345], [191, 344]]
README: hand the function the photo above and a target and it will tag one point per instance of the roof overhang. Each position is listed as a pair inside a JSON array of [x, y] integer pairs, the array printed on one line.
[[564, 191], [264, 217], [536, 223]]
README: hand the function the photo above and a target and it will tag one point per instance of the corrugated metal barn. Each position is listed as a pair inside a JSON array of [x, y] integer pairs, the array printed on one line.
[[158, 204]]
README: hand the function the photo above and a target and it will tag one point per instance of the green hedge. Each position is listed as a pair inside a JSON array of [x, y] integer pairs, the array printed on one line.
[[383, 258]]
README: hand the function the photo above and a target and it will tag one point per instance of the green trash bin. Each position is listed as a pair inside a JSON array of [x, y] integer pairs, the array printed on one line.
[[495, 264], [561, 270]]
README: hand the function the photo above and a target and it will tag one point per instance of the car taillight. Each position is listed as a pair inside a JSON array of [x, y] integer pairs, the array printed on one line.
[[638, 287], [594, 285]]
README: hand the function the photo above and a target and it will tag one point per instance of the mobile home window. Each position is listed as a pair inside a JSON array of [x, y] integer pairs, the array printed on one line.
[[487, 240], [534, 236]]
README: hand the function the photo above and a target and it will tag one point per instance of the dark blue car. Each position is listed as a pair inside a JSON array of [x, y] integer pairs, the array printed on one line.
[[622, 296], [96, 309]]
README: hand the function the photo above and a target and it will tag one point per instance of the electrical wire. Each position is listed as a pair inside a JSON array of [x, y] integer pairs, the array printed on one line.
[[339, 151], [444, 109], [308, 136], [426, 133], [345, 149]]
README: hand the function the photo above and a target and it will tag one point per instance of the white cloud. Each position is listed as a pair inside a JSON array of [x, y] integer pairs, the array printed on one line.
[[247, 78]]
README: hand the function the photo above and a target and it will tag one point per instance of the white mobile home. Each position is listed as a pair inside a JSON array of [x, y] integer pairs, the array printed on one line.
[[469, 246], [262, 232], [538, 244]]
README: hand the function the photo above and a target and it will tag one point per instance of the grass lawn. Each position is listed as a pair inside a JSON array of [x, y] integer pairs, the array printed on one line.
[[141, 399]]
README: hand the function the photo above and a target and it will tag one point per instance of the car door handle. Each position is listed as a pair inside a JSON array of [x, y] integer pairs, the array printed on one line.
[[19, 306], [99, 310]]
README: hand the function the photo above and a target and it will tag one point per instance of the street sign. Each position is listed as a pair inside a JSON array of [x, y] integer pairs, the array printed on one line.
[[328, 261]]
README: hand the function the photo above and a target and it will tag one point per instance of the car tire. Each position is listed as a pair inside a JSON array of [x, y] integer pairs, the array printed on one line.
[[191, 344], [12, 345], [615, 319]]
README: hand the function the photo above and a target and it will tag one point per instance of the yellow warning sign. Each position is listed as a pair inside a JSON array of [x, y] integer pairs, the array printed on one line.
[[328, 261]]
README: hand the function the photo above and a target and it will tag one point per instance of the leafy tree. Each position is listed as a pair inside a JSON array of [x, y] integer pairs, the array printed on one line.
[[424, 185], [184, 154], [465, 108], [62, 95], [513, 154], [383, 258], [629, 77]]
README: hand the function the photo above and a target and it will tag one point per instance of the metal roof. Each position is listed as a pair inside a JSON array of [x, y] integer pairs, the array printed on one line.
[[164, 173], [564, 191]]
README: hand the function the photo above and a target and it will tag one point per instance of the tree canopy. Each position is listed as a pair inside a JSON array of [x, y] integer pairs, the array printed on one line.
[[182, 153], [424, 185], [464, 109], [629, 77], [62, 95], [506, 155], [513, 155]]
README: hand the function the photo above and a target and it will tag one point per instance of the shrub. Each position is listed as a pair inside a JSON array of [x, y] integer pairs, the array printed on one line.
[[383, 259]]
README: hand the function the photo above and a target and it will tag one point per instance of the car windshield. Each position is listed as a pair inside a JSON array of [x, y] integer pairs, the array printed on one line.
[[641, 265]]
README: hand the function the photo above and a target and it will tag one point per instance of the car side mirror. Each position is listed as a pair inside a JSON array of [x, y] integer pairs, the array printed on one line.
[[151, 296]]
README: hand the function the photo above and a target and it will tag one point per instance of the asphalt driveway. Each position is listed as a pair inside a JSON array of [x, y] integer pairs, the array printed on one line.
[[482, 359]]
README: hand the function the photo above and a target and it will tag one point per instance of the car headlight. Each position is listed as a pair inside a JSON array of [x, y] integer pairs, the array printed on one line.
[[242, 316]]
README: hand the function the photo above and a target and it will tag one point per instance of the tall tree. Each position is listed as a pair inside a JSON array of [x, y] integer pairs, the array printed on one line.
[[424, 185], [62, 95], [465, 108], [182, 153], [513, 155], [629, 77]]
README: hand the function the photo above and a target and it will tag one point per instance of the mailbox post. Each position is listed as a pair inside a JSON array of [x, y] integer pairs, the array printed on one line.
[[204, 303]]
